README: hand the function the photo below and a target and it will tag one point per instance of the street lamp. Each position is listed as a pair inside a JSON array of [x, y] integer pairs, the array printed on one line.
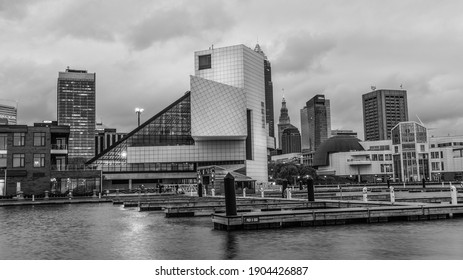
[[138, 111]]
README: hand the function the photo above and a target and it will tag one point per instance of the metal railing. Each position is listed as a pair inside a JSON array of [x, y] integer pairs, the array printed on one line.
[[59, 146]]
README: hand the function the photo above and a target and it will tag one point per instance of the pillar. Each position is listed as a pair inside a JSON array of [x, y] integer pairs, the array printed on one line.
[[365, 194], [200, 189], [453, 195], [230, 196], [310, 190]]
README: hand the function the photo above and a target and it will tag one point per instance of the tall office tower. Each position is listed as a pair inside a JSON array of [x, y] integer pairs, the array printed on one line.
[[319, 120], [76, 108], [291, 140], [382, 110], [304, 130], [268, 92], [8, 114], [242, 67], [284, 121]]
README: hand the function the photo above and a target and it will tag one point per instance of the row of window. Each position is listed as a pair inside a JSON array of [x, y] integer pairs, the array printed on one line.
[[19, 139], [19, 160]]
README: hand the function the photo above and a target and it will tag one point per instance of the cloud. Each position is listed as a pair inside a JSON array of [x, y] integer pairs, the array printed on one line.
[[205, 19], [14, 10], [303, 52]]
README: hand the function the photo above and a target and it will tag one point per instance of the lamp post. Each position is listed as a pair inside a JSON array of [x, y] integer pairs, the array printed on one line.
[[138, 111]]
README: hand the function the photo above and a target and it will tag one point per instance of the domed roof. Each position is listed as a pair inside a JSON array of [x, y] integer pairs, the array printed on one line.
[[335, 144]]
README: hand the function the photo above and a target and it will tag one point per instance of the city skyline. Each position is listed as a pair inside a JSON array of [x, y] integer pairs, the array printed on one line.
[[414, 44]]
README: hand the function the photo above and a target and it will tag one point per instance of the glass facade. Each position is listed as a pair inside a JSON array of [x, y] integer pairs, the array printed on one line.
[[171, 127], [76, 108], [411, 159]]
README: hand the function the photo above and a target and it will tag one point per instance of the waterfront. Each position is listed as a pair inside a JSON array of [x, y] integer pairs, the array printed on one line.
[[104, 231]]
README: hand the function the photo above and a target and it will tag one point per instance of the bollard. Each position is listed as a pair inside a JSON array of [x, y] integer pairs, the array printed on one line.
[[46, 195], [404, 184], [33, 197], [213, 192], [99, 195], [285, 185], [262, 193], [310, 190], [453, 194], [94, 193], [423, 181], [230, 196], [244, 192], [200, 189], [442, 184], [288, 193], [391, 189], [365, 194]]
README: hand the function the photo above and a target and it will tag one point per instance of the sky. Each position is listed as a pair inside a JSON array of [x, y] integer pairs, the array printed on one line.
[[142, 53]]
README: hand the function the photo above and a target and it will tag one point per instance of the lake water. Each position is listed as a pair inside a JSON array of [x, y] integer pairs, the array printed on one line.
[[108, 232]]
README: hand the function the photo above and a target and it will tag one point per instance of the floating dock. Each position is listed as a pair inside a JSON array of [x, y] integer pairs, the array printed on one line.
[[341, 216]]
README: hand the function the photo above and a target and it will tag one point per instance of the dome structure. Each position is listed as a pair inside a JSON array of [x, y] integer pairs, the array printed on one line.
[[335, 144]]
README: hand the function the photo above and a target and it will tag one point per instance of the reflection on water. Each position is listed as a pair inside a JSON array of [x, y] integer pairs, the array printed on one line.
[[109, 232]]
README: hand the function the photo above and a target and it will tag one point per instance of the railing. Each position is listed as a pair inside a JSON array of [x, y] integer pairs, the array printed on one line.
[[59, 146], [71, 167]]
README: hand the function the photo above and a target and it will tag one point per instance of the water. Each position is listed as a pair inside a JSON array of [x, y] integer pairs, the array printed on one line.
[[107, 232]]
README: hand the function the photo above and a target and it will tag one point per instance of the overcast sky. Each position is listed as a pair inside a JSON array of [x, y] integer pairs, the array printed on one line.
[[142, 53]]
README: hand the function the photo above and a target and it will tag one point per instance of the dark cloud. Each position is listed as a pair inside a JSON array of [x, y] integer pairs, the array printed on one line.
[[205, 19], [303, 52], [13, 10]]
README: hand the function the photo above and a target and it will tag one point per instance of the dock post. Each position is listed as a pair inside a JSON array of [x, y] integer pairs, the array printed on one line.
[[423, 182], [388, 183], [262, 193], [288, 193], [33, 197], [391, 189], [230, 196], [46, 195], [365, 194], [310, 190], [200, 189], [244, 192], [283, 189], [442, 184], [453, 194], [213, 192]]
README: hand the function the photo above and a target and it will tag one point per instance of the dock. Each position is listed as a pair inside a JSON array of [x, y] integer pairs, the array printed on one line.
[[341, 216]]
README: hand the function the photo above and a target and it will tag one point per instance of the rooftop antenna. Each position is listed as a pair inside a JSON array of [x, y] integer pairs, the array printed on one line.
[[418, 117], [283, 90], [401, 87]]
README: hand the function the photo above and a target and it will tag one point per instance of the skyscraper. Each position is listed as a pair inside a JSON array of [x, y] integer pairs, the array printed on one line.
[[8, 114], [268, 92], [304, 130], [291, 140], [76, 108], [319, 121], [242, 67], [284, 121], [382, 110]]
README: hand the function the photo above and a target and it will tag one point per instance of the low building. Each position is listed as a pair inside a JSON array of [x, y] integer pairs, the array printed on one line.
[[34, 159], [446, 158]]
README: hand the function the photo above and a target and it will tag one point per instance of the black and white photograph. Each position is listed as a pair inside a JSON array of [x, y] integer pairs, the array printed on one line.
[[245, 139]]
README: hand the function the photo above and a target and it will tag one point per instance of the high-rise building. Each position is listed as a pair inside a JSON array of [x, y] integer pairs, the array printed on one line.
[[382, 110], [291, 140], [8, 114], [268, 92], [76, 108], [284, 121], [304, 129], [319, 121], [346, 132], [242, 67]]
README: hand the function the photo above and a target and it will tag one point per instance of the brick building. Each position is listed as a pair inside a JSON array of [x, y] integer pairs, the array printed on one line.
[[35, 158]]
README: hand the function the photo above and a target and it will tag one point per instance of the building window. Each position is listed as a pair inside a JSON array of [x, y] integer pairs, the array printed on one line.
[[19, 139], [39, 138], [2, 160], [39, 160], [2, 141], [204, 62], [18, 160]]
